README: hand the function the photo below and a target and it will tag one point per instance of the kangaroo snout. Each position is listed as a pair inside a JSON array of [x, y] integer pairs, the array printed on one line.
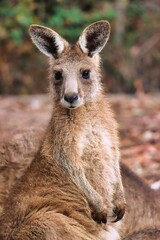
[[71, 98]]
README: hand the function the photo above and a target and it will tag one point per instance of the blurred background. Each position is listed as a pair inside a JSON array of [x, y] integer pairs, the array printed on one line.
[[130, 59]]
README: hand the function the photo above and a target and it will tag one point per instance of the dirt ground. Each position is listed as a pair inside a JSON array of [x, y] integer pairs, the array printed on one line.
[[23, 120], [139, 121]]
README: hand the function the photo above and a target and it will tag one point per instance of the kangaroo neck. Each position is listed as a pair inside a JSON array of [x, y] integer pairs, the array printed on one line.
[[78, 116], [66, 124], [64, 129]]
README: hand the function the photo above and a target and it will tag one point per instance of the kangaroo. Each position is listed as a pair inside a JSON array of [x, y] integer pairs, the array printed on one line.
[[142, 217], [73, 186]]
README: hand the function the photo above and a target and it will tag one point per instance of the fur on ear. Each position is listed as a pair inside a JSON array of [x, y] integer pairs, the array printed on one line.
[[47, 41], [94, 37]]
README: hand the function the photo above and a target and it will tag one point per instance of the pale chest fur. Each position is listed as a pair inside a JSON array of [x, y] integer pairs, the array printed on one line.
[[96, 140], [92, 144], [89, 144], [99, 156]]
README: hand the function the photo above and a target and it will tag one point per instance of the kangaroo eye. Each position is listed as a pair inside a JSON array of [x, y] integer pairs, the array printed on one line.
[[58, 75], [86, 74]]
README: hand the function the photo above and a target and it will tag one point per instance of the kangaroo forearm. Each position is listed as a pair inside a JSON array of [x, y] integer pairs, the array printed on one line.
[[93, 197], [78, 177], [71, 163]]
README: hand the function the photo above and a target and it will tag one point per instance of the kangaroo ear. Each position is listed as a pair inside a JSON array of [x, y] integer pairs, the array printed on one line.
[[94, 37], [47, 41]]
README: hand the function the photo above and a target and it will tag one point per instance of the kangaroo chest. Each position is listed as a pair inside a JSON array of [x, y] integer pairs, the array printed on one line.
[[95, 142], [99, 159], [91, 145]]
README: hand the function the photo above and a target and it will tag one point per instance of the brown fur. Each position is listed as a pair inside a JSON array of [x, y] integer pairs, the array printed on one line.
[[141, 203], [142, 218], [75, 176], [145, 234], [46, 203]]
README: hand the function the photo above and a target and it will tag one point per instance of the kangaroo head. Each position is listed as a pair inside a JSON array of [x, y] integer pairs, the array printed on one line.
[[74, 69]]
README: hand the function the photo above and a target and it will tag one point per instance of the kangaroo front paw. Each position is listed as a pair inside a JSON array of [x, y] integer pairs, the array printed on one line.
[[100, 217], [119, 212]]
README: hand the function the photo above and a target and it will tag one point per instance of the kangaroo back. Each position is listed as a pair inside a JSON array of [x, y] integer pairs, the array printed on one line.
[[142, 219]]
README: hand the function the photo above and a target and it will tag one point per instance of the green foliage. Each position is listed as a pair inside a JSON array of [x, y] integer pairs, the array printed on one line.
[[16, 36], [135, 10], [68, 18], [66, 21], [15, 21]]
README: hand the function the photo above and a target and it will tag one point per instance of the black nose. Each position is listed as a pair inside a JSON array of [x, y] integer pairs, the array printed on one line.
[[71, 98]]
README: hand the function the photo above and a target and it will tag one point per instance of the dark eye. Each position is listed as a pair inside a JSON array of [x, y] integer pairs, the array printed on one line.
[[86, 74], [58, 75]]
